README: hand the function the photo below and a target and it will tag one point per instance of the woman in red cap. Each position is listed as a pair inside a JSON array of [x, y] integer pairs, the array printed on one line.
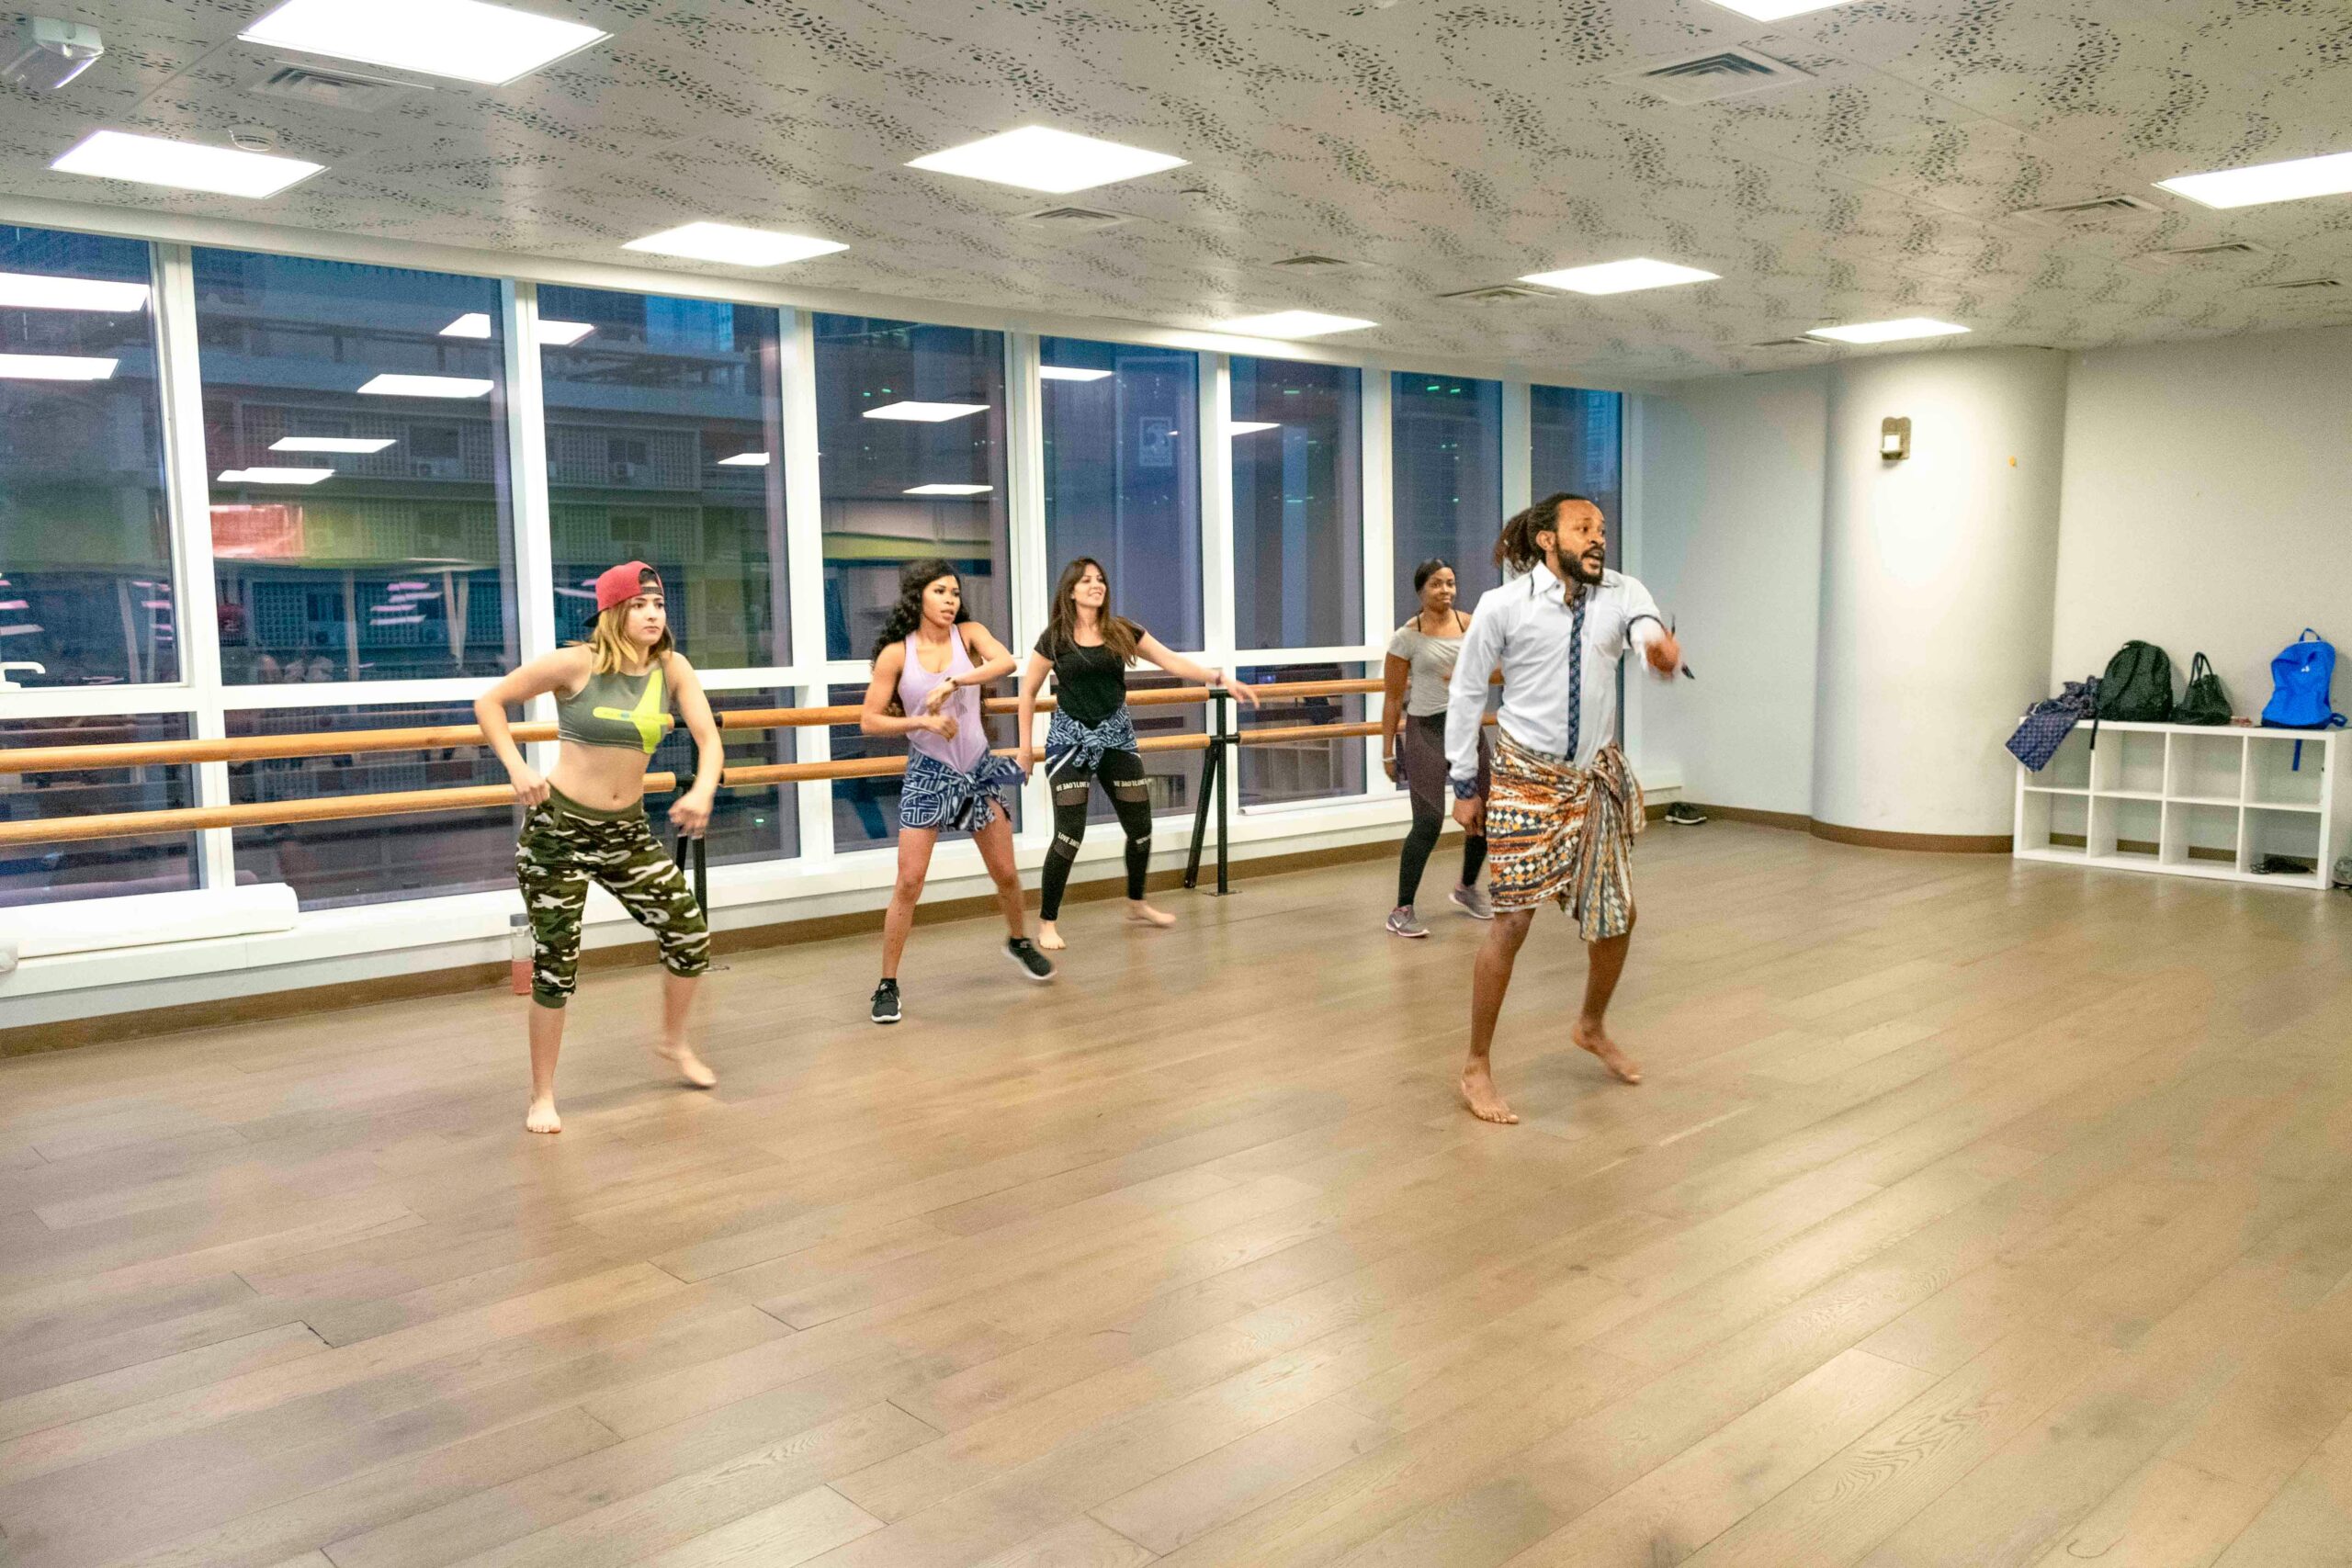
[[586, 821]]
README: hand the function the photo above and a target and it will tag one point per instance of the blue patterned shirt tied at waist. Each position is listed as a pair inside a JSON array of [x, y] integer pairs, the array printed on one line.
[[934, 795], [1071, 744]]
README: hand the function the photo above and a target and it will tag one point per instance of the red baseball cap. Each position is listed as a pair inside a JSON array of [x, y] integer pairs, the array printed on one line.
[[624, 583]]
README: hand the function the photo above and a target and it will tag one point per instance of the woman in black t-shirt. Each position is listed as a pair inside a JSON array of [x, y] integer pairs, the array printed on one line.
[[1087, 649]]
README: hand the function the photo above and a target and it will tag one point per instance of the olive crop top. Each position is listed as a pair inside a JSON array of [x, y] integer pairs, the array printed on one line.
[[627, 711]]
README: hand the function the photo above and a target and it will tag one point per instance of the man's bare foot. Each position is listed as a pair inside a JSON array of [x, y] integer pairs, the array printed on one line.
[[691, 1067], [1478, 1093], [1142, 914], [1596, 1040], [1048, 939], [542, 1117]]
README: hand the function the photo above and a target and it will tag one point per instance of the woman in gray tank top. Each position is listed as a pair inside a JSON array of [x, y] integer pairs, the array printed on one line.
[[586, 821], [1419, 671]]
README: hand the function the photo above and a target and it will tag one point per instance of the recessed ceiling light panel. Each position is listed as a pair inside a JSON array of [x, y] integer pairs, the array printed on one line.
[[464, 40], [1294, 325], [951, 490], [562, 334], [1773, 11], [1620, 277], [1888, 331], [38, 291], [745, 460], [1252, 426], [473, 324], [2293, 180], [389, 386], [359, 444], [183, 166], [1069, 372], [1038, 157], [732, 244], [926, 413], [274, 476], [54, 367]]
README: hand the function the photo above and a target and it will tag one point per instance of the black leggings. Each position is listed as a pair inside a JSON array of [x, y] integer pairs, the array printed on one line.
[[1420, 841], [1121, 775]]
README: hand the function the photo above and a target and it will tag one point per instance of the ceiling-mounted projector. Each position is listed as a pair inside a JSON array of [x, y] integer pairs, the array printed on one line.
[[47, 54]]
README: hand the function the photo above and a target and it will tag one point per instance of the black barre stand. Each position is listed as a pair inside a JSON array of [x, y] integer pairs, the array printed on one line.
[[1215, 765]]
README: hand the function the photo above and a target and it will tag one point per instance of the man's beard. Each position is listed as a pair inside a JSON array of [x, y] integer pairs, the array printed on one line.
[[1574, 568]]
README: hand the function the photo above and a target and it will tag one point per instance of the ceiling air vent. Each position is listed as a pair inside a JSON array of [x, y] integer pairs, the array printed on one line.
[[334, 89], [1719, 74], [2225, 253], [1311, 263], [1790, 343], [1497, 294], [2100, 214], [1074, 219], [2299, 283]]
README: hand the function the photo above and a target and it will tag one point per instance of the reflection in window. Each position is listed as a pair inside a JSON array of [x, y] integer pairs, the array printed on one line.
[[95, 868], [372, 860], [1576, 440], [1448, 447], [910, 431], [866, 811], [354, 428], [1302, 770], [1297, 504], [85, 549], [745, 824], [1123, 476], [665, 444]]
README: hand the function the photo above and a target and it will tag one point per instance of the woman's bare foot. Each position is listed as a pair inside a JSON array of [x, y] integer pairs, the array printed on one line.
[[1596, 1040], [542, 1117], [691, 1067], [1048, 939], [1142, 914], [1478, 1093]]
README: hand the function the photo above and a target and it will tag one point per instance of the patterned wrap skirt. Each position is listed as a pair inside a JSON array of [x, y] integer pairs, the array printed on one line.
[[1564, 833], [934, 795]]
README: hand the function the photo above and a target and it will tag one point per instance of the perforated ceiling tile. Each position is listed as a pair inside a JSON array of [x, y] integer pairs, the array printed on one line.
[[1441, 145]]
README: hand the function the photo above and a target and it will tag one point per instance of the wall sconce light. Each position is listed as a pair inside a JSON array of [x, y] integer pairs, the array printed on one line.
[[1895, 439]]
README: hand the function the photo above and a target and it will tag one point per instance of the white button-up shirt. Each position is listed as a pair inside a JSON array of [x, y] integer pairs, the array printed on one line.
[[1525, 628]]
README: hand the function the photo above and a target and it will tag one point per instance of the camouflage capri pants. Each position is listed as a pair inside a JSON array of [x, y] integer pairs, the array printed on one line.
[[564, 846]]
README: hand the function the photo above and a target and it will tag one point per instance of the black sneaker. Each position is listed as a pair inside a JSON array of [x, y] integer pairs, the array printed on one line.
[[1683, 814], [1034, 964], [886, 1002]]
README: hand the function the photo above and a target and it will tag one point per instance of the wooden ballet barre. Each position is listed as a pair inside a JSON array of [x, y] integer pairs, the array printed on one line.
[[441, 738]]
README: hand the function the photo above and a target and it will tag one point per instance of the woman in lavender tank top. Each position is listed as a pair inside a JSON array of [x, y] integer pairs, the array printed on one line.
[[929, 666]]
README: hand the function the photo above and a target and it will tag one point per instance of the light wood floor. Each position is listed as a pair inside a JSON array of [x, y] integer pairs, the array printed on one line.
[[1972, 1214]]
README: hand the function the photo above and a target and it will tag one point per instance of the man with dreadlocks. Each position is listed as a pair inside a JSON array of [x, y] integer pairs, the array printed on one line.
[[1565, 806]]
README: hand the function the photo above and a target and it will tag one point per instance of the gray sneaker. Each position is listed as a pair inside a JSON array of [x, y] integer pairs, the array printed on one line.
[[1473, 902], [1402, 923]]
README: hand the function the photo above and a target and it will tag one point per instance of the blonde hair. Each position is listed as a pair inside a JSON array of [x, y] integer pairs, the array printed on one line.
[[608, 644]]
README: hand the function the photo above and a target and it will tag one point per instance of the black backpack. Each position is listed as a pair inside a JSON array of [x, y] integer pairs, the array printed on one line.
[[2137, 687]]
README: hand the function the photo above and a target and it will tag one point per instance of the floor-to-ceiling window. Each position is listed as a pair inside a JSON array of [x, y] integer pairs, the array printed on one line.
[[910, 424], [1122, 485], [1447, 489], [665, 444], [86, 581], [355, 443], [1575, 445]]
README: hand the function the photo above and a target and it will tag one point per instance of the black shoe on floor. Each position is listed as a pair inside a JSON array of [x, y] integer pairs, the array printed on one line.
[[886, 1002], [1034, 964], [1683, 814]]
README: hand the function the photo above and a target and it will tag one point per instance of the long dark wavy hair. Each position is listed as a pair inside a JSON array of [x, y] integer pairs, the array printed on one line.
[[907, 613], [1121, 637], [1516, 550]]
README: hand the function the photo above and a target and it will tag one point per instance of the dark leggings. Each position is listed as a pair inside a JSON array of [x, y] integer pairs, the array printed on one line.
[[1420, 840], [1121, 775]]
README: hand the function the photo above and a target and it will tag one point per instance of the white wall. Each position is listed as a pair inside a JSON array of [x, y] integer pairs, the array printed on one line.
[[1935, 601], [1732, 477], [2208, 505]]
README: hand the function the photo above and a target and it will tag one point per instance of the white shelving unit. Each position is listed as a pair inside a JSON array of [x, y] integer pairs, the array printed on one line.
[[2188, 800]]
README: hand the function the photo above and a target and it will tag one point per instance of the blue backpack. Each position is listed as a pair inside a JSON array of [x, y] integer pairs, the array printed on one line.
[[2299, 683]]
